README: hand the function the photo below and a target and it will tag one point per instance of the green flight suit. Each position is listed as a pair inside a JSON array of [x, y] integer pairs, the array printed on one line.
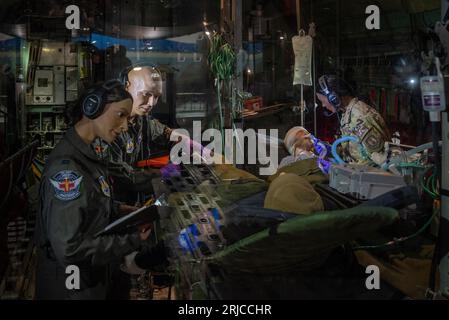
[[138, 143], [75, 204]]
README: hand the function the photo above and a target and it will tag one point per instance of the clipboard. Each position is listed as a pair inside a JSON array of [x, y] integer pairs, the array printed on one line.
[[130, 222]]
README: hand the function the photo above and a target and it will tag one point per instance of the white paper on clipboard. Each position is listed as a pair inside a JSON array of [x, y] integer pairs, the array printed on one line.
[[302, 47]]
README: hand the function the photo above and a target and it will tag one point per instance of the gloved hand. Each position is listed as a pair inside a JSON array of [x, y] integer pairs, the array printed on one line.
[[153, 257], [130, 266], [171, 170]]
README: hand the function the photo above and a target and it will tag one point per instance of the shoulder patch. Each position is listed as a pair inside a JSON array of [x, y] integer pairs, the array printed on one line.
[[373, 142], [67, 185], [130, 146], [104, 186]]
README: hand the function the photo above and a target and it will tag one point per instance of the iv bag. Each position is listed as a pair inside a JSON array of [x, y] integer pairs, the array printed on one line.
[[302, 47]]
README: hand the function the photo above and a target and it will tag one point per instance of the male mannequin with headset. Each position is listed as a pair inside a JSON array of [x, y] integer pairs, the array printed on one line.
[[358, 120], [144, 84]]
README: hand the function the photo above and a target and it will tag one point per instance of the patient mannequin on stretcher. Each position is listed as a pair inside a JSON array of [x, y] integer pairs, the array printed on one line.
[[299, 144]]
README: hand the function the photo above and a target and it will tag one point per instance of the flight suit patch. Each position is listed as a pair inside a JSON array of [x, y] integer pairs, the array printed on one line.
[[139, 140], [67, 185], [104, 186], [130, 146], [373, 143], [360, 131], [100, 149]]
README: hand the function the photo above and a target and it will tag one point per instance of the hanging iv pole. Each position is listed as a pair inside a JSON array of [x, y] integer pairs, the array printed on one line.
[[315, 129], [298, 21], [313, 34]]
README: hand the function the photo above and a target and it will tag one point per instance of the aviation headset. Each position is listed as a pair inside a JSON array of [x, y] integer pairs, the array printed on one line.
[[95, 100], [331, 96]]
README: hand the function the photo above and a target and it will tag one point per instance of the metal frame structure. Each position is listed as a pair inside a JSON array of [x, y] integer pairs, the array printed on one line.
[[444, 221]]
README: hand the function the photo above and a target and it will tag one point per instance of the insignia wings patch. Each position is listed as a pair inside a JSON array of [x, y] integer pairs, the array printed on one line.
[[66, 185]]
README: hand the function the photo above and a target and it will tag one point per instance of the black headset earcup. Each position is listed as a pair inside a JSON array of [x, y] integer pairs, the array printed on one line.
[[95, 100], [330, 95], [91, 105], [334, 99]]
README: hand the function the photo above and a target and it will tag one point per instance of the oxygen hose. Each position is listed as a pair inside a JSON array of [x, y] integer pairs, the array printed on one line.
[[337, 158]]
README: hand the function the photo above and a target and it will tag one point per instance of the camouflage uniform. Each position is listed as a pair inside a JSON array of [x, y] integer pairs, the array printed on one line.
[[364, 122]]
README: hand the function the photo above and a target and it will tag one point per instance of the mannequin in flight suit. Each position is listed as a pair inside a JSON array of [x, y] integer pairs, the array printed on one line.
[[144, 133], [76, 202], [144, 84]]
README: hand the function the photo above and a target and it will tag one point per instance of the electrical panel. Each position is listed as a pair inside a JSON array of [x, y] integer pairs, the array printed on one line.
[[59, 85], [43, 90], [53, 83], [71, 83]]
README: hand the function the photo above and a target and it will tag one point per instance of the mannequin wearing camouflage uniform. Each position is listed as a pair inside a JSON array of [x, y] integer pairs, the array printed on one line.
[[358, 120], [364, 122]]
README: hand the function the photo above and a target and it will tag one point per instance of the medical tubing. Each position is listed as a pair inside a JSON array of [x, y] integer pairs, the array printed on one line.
[[338, 159]]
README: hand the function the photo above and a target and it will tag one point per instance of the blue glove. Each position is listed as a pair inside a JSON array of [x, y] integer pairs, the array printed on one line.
[[324, 165]]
